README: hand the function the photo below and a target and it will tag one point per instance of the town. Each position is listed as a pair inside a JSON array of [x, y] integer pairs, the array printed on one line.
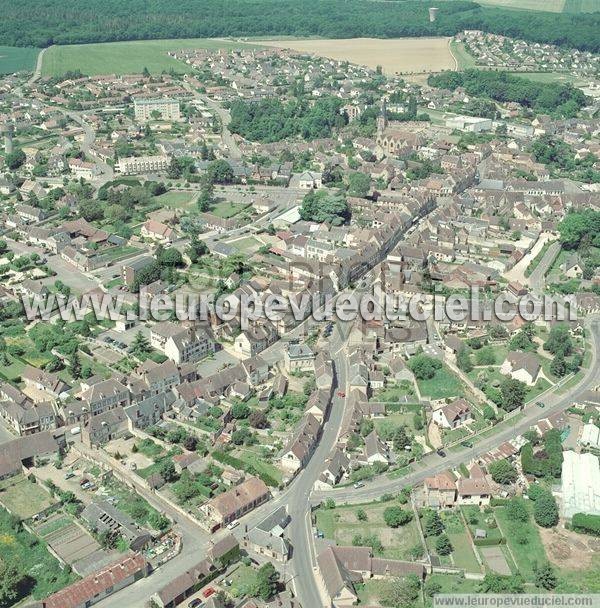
[[300, 461]]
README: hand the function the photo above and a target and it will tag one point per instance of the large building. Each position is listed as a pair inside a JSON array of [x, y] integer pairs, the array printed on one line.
[[162, 107], [580, 484], [132, 165]]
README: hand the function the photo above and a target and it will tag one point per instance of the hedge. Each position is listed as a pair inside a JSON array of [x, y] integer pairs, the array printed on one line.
[[499, 502], [236, 463], [582, 522], [489, 542]]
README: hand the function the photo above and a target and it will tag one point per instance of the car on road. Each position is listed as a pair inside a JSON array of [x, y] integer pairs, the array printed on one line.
[[195, 603], [69, 474], [467, 444], [233, 524], [208, 592], [441, 453], [540, 404], [341, 394], [359, 484]]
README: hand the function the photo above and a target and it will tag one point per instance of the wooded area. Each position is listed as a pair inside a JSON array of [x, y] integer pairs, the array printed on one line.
[[36, 23]]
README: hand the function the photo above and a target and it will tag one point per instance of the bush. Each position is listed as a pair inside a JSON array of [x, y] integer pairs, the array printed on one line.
[[396, 516], [590, 524], [545, 511]]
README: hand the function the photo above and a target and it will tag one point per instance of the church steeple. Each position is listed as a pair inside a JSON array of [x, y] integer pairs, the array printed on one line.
[[382, 118]]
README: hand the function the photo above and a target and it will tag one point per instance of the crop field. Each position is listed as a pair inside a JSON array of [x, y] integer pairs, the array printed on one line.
[[125, 57], [581, 6], [553, 6], [15, 59], [402, 55]]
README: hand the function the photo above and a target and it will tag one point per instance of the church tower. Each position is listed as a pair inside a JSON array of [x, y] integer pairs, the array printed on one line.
[[382, 121]]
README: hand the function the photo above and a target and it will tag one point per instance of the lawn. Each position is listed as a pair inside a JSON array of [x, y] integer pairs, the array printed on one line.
[[484, 521], [16, 59], [261, 466], [176, 200], [24, 498], [227, 209], [525, 555], [42, 573], [342, 525], [149, 448], [463, 58], [246, 245], [443, 385], [243, 581], [125, 57], [463, 555]]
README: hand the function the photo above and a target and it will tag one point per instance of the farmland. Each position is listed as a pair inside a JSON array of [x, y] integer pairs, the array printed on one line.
[[553, 6], [124, 57], [13, 59], [402, 55]]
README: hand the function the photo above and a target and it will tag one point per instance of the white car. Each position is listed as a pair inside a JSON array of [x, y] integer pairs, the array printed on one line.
[[233, 524]]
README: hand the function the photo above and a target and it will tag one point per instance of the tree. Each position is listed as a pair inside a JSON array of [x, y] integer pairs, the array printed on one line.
[[320, 206], [361, 515], [545, 576], [400, 592], [190, 443], [431, 587], [359, 184], [206, 198], [240, 411], [267, 579], [545, 510], [196, 249], [559, 340], [498, 583], [463, 359], [443, 546], [513, 394], [170, 258], [502, 471], [140, 344], [558, 366], [10, 579], [423, 366], [258, 419], [432, 523], [396, 516], [75, 366], [15, 159], [219, 172], [167, 470], [485, 356], [516, 509]]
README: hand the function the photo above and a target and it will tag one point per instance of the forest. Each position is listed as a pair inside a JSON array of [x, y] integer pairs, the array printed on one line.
[[558, 99], [271, 120], [42, 23]]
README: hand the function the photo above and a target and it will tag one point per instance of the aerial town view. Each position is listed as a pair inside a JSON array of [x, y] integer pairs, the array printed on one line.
[[299, 303]]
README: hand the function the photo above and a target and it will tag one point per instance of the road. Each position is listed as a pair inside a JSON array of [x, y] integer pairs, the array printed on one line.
[[233, 150], [537, 279]]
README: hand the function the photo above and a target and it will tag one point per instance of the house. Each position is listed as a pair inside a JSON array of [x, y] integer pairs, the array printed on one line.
[[98, 585], [149, 411], [453, 414], [157, 231], [440, 491], [183, 585], [254, 340], [105, 395], [298, 357], [300, 447], [131, 269], [267, 538], [336, 466], [572, 267], [182, 344], [102, 517], [110, 424], [323, 371], [232, 504], [309, 180], [318, 404], [44, 381], [474, 491], [521, 366], [375, 450]]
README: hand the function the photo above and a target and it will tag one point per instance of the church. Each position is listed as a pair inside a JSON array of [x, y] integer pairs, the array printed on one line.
[[396, 138]]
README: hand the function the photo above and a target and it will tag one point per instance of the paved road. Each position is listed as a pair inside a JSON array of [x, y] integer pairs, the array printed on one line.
[[233, 150]]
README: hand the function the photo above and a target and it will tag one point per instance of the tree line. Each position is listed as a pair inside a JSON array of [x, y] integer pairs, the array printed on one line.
[[37, 23]]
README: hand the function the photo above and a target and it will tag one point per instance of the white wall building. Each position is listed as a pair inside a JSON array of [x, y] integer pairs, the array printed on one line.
[[580, 484]]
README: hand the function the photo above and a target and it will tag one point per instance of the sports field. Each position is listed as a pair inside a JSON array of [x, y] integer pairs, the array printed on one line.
[[402, 55], [15, 59], [125, 57]]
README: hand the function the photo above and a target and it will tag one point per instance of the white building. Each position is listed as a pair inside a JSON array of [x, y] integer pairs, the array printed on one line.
[[473, 124], [147, 109], [580, 484], [131, 165]]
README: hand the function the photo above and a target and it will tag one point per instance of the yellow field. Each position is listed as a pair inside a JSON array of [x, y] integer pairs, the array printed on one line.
[[399, 55]]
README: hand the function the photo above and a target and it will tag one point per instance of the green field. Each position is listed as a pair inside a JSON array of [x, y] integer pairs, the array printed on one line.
[[443, 385], [176, 199], [124, 57], [23, 498], [463, 58], [581, 6], [15, 59]]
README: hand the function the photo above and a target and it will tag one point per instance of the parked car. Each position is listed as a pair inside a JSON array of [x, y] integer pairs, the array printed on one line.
[[441, 453], [540, 404], [69, 474], [233, 524], [195, 603], [359, 484], [341, 394], [208, 592]]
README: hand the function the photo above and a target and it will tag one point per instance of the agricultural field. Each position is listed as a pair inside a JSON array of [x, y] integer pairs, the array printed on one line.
[[553, 6], [16, 59], [464, 60], [125, 57], [581, 6], [400, 55]]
